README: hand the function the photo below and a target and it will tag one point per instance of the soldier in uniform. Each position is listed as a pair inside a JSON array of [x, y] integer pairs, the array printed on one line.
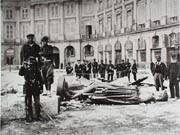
[[33, 86], [95, 68], [159, 73], [69, 68], [134, 70], [78, 69], [119, 69], [47, 64], [128, 69], [110, 71], [102, 69], [174, 77], [123, 68]]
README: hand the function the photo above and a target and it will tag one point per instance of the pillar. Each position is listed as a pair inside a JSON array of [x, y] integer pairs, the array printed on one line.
[[77, 34], [47, 19], [17, 34], [61, 37]]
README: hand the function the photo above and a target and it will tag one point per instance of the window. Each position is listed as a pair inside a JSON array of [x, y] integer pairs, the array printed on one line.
[[141, 12], [9, 13], [9, 31], [88, 50], [25, 13], [109, 3], [143, 56], [100, 5], [39, 11], [68, 9], [101, 26], [70, 51], [173, 40], [129, 18], [155, 41], [118, 21], [109, 24], [156, 23], [54, 10], [72, 9], [173, 19]]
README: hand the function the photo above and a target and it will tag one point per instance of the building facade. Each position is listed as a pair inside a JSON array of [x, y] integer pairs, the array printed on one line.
[[87, 29]]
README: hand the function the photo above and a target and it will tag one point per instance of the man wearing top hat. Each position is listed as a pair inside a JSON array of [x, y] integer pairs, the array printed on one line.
[[47, 64], [159, 72], [30, 69]]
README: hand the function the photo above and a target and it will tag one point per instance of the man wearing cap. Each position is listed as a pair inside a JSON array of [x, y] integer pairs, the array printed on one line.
[[47, 64], [110, 71], [78, 69], [33, 86], [95, 68], [102, 69], [159, 73], [128, 69], [174, 77]]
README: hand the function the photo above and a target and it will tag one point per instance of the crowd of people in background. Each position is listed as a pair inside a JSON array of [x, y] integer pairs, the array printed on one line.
[[88, 69]]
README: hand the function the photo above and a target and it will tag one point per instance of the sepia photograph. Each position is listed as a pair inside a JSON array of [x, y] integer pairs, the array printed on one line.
[[90, 67]]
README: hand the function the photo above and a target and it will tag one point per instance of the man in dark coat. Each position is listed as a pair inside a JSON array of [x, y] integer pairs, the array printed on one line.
[[110, 71], [160, 73], [102, 69], [78, 69], [123, 68], [33, 86], [47, 65], [134, 70], [128, 69], [69, 68], [119, 68], [174, 77], [95, 68]]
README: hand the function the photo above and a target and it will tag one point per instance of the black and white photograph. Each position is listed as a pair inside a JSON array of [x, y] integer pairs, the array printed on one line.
[[90, 67]]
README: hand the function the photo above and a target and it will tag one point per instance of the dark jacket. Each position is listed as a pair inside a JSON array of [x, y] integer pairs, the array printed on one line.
[[161, 68], [110, 68], [95, 67], [27, 51], [173, 72], [47, 52], [134, 68], [102, 68]]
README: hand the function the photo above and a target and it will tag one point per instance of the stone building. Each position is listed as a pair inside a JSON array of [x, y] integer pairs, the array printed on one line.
[[88, 29]]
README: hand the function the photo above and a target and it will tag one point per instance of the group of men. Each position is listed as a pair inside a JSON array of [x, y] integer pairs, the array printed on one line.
[[37, 69], [87, 68], [172, 72]]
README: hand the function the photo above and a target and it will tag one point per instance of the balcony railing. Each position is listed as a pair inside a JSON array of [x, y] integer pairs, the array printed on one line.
[[87, 37]]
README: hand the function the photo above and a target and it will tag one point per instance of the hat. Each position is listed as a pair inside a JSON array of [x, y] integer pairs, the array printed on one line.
[[30, 35], [78, 60], [45, 38]]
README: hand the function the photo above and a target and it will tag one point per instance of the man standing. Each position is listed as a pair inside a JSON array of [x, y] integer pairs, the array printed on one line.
[[95, 68], [33, 86], [47, 64], [134, 70], [159, 73], [110, 71], [123, 68], [69, 68], [102, 69], [119, 70], [128, 69], [78, 69], [87, 69], [174, 76]]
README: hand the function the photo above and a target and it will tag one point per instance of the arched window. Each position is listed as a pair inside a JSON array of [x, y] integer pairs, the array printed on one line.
[[108, 53], [155, 41], [129, 50], [173, 39], [88, 50], [70, 51]]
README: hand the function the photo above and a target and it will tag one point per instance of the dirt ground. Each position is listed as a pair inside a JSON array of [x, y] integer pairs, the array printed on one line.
[[161, 118]]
